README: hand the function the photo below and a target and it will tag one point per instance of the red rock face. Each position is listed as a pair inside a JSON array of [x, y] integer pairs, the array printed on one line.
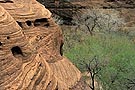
[[31, 49]]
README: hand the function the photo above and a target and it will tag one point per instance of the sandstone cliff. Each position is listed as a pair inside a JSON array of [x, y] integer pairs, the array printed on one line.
[[31, 49]]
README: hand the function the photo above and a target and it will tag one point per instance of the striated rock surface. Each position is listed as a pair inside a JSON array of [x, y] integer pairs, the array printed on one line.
[[31, 49]]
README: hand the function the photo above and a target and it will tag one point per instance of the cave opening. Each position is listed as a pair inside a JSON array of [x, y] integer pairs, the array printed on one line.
[[0, 43], [29, 23], [61, 49], [6, 1], [20, 24], [16, 51], [8, 37], [39, 22]]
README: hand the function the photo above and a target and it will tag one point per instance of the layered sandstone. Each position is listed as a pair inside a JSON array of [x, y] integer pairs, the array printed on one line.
[[31, 49]]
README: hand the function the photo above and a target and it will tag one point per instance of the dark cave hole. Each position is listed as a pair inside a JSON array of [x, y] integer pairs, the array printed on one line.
[[38, 22], [0, 43], [6, 1], [8, 37], [20, 24], [29, 23], [1, 49], [17, 51], [61, 49]]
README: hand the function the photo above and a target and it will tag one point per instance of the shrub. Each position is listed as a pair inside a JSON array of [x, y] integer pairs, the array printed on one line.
[[115, 51]]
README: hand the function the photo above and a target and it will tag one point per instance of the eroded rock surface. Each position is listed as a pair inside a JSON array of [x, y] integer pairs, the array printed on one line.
[[31, 49]]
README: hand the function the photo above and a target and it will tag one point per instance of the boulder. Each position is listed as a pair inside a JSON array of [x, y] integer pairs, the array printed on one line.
[[31, 55]]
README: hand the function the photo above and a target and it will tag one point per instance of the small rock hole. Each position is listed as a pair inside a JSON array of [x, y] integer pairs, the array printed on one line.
[[6, 1], [1, 49], [8, 37], [17, 51], [0, 43], [20, 24], [38, 22], [61, 49], [29, 23]]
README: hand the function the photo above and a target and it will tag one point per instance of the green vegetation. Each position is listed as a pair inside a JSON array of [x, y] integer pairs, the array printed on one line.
[[98, 46], [115, 51]]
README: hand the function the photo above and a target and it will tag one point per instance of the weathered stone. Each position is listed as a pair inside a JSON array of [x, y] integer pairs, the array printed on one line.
[[31, 49]]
